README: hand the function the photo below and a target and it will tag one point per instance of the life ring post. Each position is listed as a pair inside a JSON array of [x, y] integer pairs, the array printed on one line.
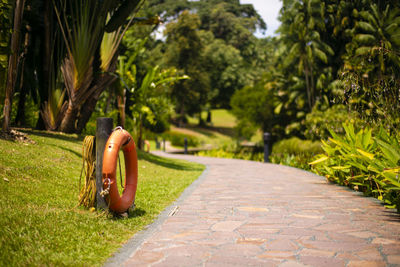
[[104, 129], [119, 139]]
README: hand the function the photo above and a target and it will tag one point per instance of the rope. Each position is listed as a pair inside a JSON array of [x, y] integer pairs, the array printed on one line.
[[87, 193]]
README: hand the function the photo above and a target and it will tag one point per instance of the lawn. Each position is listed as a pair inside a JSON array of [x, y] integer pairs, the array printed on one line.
[[40, 223], [215, 134], [219, 118]]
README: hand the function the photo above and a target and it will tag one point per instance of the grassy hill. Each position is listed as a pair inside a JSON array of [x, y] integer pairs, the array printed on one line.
[[217, 133], [40, 223]]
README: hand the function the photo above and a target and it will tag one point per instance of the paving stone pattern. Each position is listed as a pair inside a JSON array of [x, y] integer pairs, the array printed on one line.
[[255, 214]]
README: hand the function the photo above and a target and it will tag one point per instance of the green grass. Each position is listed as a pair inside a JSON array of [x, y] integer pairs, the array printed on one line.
[[217, 133], [39, 221], [219, 118]]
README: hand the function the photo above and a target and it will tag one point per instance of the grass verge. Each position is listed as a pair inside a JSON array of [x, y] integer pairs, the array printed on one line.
[[39, 221]]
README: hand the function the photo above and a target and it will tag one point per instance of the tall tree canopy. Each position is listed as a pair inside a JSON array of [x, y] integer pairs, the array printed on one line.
[[233, 55], [330, 52], [184, 51]]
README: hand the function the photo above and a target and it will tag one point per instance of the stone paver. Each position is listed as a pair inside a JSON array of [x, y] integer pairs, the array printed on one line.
[[247, 213]]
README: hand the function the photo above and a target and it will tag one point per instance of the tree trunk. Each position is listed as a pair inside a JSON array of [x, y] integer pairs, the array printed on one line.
[[40, 123], [208, 116], [121, 108], [70, 116], [20, 118], [312, 89], [181, 115], [44, 73], [108, 101], [13, 63], [140, 132], [86, 111], [308, 87], [48, 36], [201, 121], [89, 105]]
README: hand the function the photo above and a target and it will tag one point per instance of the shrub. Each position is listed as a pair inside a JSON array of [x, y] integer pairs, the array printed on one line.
[[178, 139], [291, 152], [295, 152], [296, 146], [363, 162], [223, 153], [318, 123]]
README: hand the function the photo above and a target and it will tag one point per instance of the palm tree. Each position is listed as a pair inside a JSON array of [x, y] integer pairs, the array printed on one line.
[[13, 63], [376, 36], [372, 64], [302, 23], [84, 32]]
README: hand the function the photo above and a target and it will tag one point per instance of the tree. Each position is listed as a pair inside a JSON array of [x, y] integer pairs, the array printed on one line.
[[303, 22], [151, 105], [84, 50], [371, 69], [5, 32], [13, 61], [185, 52], [222, 23], [66, 36], [227, 73], [254, 108]]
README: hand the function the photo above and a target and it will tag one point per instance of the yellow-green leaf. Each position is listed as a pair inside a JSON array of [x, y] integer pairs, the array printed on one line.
[[366, 154], [341, 167], [321, 159], [393, 170]]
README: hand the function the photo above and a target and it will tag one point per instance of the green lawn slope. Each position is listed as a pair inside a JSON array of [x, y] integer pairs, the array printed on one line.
[[39, 221], [219, 132]]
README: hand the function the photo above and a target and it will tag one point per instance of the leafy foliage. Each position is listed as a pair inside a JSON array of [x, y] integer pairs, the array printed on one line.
[[253, 107], [184, 52], [370, 74], [320, 121], [363, 160], [151, 104], [295, 152], [231, 56], [329, 53], [296, 146]]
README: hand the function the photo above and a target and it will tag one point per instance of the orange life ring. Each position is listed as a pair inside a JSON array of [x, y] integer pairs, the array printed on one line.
[[120, 138]]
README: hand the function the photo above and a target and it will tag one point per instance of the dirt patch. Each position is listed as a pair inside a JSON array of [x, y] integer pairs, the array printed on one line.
[[16, 136]]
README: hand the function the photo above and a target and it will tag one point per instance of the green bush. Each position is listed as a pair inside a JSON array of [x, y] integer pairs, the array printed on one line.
[[364, 162], [291, 152], [178, 139], [223, 153], [295, 152], [319, 122], [297, 161], [296, 146]]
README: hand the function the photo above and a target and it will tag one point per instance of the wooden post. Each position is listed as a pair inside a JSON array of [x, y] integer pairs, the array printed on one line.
[[185, 146], [267, 139], [103, 131]]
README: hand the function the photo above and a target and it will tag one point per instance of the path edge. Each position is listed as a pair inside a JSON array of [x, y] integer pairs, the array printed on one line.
[[133, 244]]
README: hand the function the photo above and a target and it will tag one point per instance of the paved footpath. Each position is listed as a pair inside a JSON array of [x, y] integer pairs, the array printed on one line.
[[243, 213]]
